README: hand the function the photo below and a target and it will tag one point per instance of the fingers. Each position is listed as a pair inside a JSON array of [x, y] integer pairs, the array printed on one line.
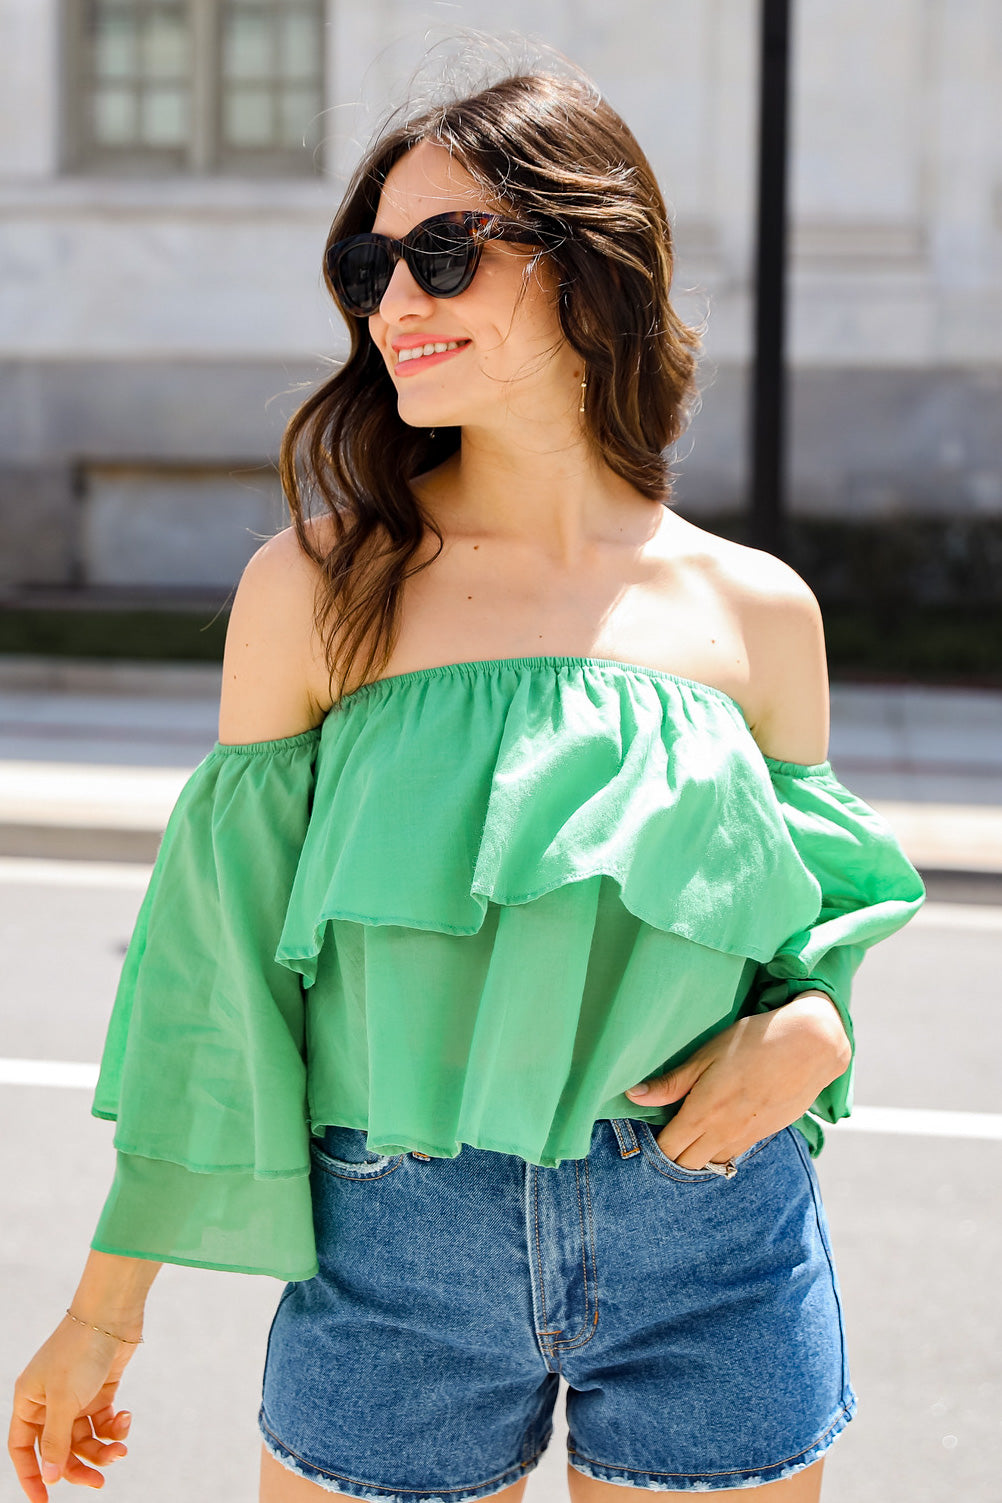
[[664, 1089], [691, 1154], [695, 1147], [21, 1449], [54, 1446], [67, 1454], [105, 1445], [109, 1425]]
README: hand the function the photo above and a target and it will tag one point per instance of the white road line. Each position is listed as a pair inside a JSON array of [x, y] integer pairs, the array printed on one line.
[[48, 1072], [983, 916], [918, 1122], [911, 1122], [31, 871]]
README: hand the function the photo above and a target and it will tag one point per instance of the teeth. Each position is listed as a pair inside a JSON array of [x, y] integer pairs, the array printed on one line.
[[420, 350]]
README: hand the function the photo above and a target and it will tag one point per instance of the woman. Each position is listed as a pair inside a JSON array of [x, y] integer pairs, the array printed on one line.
[[490, 994]]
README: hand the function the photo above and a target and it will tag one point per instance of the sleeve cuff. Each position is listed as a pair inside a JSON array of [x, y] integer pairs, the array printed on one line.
[[227, 1221]]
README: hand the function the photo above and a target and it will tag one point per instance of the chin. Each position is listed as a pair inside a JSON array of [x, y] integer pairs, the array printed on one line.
[[428, 419]]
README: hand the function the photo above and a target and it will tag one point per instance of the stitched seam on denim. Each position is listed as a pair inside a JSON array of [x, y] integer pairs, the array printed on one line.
[[539, 1259], [628, 1144], [594, 1253], [587, 1328], [378, 1486], [746, 1471], [802, 1153]]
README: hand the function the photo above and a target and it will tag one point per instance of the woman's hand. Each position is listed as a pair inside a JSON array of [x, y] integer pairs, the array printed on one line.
[[64, 1402], [749, 1081]]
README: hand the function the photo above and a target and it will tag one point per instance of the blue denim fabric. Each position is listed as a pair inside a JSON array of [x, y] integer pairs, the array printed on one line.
[[695, 1318]]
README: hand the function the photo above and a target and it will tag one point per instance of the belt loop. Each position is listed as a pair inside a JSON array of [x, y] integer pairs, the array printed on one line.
[[627, 1137]]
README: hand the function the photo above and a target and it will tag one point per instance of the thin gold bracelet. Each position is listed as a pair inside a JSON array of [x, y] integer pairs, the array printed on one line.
[[103, 1331]]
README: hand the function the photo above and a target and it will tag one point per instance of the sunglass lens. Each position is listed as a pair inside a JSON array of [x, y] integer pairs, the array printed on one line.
[[445, 255], [363, 275]]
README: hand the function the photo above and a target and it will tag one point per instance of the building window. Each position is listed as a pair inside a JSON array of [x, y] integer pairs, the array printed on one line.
[[203, 86]]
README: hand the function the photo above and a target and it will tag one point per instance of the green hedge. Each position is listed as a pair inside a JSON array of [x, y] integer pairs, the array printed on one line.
[[173, 636], [903, 598], [938, 644]]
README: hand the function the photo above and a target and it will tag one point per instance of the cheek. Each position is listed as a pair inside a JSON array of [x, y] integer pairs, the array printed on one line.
[[514, 315], [536, 318], [378, 334]]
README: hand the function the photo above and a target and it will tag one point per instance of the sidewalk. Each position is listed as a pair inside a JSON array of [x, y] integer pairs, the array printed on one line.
[[93, 756]]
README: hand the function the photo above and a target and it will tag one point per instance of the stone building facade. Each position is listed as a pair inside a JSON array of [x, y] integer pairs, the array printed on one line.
[[166, 188]]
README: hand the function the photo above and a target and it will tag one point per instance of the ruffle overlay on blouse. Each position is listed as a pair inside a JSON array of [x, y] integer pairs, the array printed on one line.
[[474, 906], [440, 793]]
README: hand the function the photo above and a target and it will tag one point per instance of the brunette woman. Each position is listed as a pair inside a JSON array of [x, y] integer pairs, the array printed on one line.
[[493, 978]]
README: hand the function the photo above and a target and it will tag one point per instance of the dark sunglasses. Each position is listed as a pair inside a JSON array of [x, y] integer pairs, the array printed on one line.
[[442, 255]]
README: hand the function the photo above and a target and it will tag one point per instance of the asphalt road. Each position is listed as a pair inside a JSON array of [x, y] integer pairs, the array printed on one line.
[[915, 1219]]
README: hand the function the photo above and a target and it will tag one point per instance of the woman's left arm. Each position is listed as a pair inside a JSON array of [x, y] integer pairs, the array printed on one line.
[[767, 1069], [754, 1078]]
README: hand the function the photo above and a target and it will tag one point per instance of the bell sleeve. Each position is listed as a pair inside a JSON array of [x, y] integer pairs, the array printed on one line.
[[867, 890], [204, 1062]]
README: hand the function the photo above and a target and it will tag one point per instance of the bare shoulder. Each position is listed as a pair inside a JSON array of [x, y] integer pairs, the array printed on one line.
[[274, 671], [783, 629]]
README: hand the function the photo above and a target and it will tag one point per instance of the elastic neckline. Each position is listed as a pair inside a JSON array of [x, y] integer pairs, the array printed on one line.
[[470, 667], [552, 660], [473, 666], [280, 743]]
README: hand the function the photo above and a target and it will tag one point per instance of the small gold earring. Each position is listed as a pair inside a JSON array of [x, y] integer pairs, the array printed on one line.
[[431, 433], [584, 388]]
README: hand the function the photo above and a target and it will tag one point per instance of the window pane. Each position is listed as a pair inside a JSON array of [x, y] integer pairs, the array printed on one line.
[[164, 51], [114, 116], [248, 43], [248, 117], [298, 113], [114, 39], [165, 116], [301, 41]]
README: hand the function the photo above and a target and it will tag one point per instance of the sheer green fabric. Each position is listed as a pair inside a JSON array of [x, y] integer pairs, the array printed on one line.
[[474, 906]]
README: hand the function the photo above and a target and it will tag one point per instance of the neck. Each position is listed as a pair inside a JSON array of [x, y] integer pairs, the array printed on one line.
[[561, 500]]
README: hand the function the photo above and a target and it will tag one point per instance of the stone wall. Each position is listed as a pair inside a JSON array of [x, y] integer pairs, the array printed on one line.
[[155, 334]]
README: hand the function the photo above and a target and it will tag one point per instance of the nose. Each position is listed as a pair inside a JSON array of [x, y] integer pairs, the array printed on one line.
[[403, 296]]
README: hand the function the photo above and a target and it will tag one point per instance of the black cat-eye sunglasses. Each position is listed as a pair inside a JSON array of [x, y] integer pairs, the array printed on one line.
[[442, 254]]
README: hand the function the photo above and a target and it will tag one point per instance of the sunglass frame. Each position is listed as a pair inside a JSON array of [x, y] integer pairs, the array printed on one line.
[[481, 226]]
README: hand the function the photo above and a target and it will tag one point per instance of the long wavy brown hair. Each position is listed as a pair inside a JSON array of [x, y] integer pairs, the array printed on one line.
[[558, 158]]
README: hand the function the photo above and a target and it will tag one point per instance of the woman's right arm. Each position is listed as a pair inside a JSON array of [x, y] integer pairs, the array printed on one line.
[[64, 1398], [274, 685]]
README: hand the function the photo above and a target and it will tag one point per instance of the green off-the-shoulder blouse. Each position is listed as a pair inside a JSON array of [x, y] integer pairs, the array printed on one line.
[[475, 905]]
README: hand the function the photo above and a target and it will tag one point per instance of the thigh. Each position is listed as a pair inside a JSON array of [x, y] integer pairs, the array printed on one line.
[[408, 1365], [718, 1359]]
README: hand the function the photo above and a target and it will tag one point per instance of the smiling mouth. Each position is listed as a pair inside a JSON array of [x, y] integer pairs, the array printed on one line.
[[419, 356]]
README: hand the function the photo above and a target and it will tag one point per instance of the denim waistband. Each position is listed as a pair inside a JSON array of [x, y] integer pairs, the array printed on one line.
[[622, 1126]]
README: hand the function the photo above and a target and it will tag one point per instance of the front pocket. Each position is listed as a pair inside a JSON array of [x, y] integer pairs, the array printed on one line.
[[664, 1165], [342, 1151]]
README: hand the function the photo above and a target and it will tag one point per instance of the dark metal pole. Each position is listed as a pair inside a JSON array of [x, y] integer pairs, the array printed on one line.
[[768, 510]]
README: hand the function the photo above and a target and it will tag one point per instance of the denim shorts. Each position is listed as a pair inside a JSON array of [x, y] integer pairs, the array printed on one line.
[[695, 1317]]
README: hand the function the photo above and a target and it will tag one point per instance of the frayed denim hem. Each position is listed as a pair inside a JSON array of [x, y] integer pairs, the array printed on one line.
[[712, 1482], [331, 1482]]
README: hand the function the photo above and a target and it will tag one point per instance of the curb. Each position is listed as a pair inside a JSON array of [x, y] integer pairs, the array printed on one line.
[[954, 885], [82, 843], [130, 677]]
